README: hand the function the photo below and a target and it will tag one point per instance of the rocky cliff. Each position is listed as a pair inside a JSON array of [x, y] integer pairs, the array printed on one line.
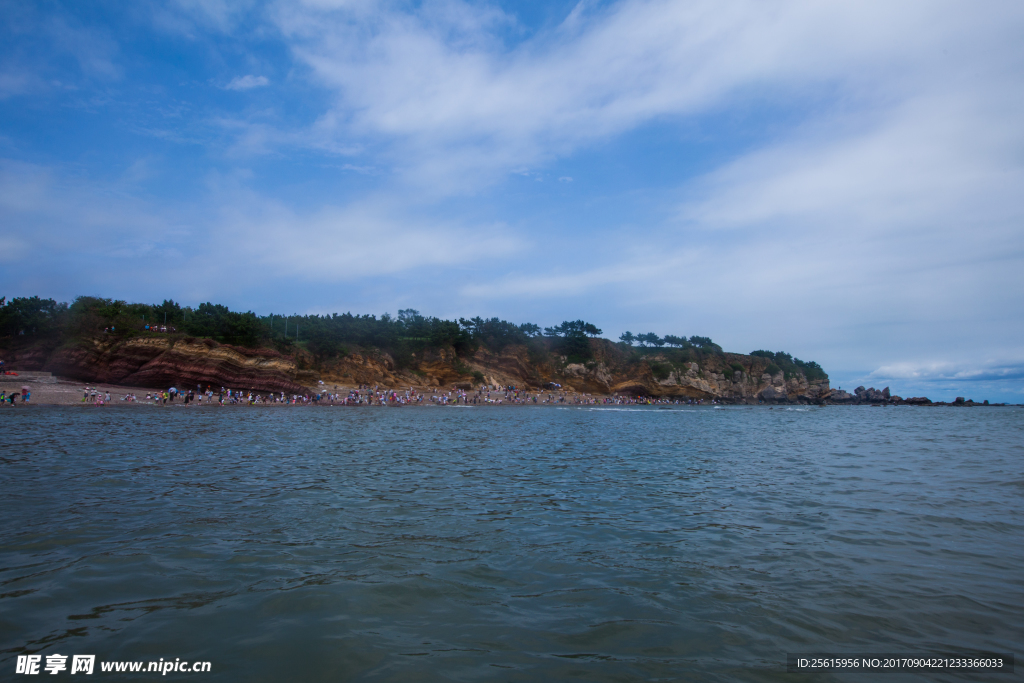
[[161, 361], [730, 377], [164, 361]]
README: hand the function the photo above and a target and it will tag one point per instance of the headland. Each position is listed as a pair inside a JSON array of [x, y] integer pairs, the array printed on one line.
[[133, 347]]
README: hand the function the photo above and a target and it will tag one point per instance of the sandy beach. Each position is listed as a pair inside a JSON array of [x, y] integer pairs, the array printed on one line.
[[56, 391], [66, 392]]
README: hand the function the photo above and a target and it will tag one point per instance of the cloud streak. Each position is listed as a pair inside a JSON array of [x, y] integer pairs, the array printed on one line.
[[439, 89], [944, 371], [103, 224], [247, 82]]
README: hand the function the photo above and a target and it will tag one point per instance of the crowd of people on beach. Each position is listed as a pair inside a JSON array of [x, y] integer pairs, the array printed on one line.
[[366, 395], [98, 397]]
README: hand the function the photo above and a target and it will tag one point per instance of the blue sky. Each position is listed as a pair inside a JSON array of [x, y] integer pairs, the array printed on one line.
[[842, 181]]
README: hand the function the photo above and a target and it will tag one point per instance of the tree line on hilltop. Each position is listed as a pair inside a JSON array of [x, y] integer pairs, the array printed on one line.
[[649, 339], [325, 335], [34, 318]]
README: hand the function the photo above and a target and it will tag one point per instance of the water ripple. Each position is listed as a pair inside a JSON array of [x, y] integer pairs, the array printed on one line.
[[510, 544]]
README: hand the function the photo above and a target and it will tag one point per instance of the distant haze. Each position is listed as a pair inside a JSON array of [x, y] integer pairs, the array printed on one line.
[[841, 181]]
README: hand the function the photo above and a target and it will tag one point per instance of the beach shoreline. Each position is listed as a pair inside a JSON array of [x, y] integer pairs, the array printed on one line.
[[63, 392], [57, 391]]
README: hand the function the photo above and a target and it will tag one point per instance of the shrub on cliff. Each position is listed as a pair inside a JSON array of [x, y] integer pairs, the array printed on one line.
[[812, 371], [661, 370], [705, 344], [571, 339], [791, 366], [326, 346], [496, 334], [448, 333], [226, 326]]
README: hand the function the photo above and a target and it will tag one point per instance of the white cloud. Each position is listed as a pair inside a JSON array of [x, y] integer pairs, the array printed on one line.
[[56, 213], [247, 82], [894, 236], [941, 371], [36, 48], [341, 243], [18, 80], [186, 16], [455, 100], [48, 211]]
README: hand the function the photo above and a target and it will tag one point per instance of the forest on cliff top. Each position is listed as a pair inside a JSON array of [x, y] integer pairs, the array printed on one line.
[[34, 320]]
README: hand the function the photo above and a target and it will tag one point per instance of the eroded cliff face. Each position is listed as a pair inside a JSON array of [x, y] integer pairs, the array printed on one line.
[[164, 361], [161, 361], [614, 371]]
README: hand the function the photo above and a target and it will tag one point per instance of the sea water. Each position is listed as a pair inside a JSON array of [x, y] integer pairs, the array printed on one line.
[[510, 543]]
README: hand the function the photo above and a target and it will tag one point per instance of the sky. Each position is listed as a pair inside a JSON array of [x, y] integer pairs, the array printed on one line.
[[841, 181]]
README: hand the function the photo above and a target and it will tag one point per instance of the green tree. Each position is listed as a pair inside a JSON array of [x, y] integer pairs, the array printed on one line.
[[706, 344], [573, 342], [30, 316], [649, 339], [530, 330], [217, 321]]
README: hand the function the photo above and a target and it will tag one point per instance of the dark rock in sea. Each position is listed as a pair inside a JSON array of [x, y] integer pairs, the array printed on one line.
[[840, 396], [871, 395]]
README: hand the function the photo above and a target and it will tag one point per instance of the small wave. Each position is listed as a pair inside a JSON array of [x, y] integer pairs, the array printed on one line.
[[646, 411]]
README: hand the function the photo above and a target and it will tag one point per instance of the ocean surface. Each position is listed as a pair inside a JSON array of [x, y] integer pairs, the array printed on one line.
[[510, 544]]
